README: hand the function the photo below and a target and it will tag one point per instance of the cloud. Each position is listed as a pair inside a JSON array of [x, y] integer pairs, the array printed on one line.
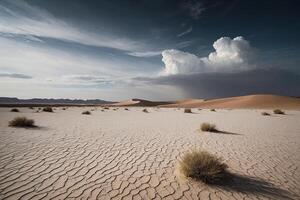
[[185, 32], [230, 55], [14, 75], [194, 9], [20, 19], [145, 54], [225, 84]]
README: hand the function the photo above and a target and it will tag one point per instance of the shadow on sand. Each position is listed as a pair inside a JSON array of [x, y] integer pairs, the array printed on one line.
[[252, 185], [225, 132]]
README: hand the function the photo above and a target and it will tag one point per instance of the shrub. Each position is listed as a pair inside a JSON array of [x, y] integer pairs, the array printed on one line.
[[145, 110], [31, 108], [213, 110], [86, 112], [187, 110], [14, 110], [199, 109], [265, 114], [278, 111], [22, 122], [208, 127], [106, 108], [63, 108], [203, 166], [47, 109], [126, 109]]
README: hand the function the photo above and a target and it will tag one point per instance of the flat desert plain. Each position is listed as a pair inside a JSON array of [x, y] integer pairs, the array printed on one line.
[[130, 154]]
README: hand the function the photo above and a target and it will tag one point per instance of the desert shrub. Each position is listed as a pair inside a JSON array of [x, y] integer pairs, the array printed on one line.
[[47, 109], [22, 122], [63, 108], [208, 127], [265, 114], [145, 110], [203, 166], [278, 111], [86, 112], [31, 108], [14, 110], [199, 109], [187, 110], [126, 109], [106, 108], [213, 110]]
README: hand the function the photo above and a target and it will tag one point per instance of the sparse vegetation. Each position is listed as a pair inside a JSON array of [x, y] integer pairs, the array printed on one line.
[[47, 109], [187, 110], [145, 110], [213, 110], [106, 108], [86, 112], [22, 122], [14, 110], [265, 114], [203, 166], [199, 109], [208, 127], [278, 111], [126, 109], [31, 108], [63, 108]]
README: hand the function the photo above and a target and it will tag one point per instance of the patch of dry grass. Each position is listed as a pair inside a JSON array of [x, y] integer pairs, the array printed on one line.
[[203, 166], [187, 110], [265, 114], [14, 110], [208, 127], [47, 109], [278, 111], [145, 110], [86, 112], [22, 122]]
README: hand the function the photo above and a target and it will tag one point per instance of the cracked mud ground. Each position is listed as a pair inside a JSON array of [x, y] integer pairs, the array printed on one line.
[[134, 155]]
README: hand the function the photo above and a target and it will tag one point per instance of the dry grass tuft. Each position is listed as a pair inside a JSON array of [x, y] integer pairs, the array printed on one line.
[[47, 109], [22, 122], [145, 110], [86, 112], [14, 110], [265, 114], [208, 127], [203, 166], [187, 110], [278, 111]]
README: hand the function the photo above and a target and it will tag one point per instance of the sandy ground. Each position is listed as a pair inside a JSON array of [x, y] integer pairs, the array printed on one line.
[[134, 155]]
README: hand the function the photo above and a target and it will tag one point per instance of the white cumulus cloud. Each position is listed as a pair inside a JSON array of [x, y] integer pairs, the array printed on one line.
[[230, 55]]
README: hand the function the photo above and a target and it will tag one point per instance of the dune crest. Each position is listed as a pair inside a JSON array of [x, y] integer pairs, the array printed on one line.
[[250, 101]]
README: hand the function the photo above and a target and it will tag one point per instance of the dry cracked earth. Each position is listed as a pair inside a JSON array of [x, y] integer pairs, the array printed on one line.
[[134, 155]]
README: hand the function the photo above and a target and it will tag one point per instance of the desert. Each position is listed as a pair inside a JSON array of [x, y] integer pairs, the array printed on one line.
[[125, 153]]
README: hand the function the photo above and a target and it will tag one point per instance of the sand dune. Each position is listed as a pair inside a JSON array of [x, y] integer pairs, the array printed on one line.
[[140, 102], [250, 101], [185, 103]]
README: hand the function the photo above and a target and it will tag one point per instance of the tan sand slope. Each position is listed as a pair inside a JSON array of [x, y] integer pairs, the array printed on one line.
[[250, 101], [185, 103], [140, 102]]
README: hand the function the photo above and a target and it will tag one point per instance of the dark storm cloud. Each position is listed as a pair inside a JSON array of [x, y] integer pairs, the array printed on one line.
[[214, 85], [13, 75]]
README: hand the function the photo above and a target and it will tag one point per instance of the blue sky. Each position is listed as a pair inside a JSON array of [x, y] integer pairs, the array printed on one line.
[[159, 50]]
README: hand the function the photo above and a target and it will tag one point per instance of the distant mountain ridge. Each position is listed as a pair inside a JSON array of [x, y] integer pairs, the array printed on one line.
[[13, 100]]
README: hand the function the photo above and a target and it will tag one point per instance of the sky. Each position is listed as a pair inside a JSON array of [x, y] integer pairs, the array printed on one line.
[[150, 49]]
